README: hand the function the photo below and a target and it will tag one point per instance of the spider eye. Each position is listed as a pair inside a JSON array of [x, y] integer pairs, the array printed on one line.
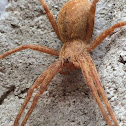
[[67, 60]]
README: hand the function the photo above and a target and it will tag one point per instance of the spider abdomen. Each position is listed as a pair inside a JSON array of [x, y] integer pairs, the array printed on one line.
[[72, 20]]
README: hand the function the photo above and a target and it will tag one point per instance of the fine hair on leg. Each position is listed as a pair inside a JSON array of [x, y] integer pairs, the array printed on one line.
[[100, 89], [32, 47], [50, 17], [85, 67], [43, 82], [104, 34], [90, 25]]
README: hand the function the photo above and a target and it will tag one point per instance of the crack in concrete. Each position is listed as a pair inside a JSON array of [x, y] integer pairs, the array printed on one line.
[[5, 94]]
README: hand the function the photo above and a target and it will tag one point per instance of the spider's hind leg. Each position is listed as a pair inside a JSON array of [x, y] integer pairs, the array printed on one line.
[[91, 21], [50, 17]]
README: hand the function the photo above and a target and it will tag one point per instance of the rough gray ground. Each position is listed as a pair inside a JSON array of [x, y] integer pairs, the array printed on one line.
[[67, 101]]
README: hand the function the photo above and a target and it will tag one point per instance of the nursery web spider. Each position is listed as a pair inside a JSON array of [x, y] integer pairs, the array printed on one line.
[[75, 28]]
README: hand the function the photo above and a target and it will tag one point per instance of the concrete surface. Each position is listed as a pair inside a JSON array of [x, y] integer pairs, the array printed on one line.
[[67, 101]]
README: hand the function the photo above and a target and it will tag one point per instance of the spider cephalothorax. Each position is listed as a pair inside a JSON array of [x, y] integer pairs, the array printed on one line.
[[74, 29]]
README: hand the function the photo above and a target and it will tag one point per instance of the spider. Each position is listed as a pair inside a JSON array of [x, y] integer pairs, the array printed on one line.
[[75, 28]]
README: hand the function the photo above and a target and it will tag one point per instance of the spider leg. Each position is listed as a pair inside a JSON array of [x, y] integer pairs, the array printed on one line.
[[33, 47], [85, 67], [104, 34], [29, 95], [100, 89], [50, 17], [91, 21], [44, 79]]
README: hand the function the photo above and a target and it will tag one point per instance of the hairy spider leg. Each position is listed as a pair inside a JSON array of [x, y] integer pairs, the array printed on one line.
[[100, 89], [85, 67], [29, 95], [91, 21], [104, 34], [52, 72], [33, 47], [43, 82], [50, 17]]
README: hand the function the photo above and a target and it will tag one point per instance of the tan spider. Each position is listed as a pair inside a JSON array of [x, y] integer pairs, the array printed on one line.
[[74, 29]]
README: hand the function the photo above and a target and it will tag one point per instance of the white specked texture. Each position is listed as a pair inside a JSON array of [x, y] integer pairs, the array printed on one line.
[[3, 5], [67, 101]]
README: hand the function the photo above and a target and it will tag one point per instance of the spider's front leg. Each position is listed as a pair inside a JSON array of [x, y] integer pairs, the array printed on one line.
[[101, 90], [43, 82], [85, 67], [86, 60]]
